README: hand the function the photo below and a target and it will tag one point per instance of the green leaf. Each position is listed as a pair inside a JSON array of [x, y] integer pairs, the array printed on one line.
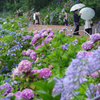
[[41, 86], [2, 91], [13, 98], [44, 95], [57, 97], [50, 86]]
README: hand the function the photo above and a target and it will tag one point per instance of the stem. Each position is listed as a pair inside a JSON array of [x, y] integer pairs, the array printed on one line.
[[75, 96]]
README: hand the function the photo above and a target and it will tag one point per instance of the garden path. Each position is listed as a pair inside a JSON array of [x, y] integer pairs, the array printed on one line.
[[57, 27]]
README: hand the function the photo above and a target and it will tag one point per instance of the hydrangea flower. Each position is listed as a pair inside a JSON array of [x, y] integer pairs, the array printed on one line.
[[87, 45], [60, 31], [27, 94], [8, 88], [35, 32], [82, 53], [24, 53], [70, 35], [50, 66], [24, 66], [18, 95], [28, 52], [93, 91], [76, 74], [95, 37], [44, 72], [22, 29], [44, 34], [49, 30], [50, 34], [47, 40], [15, 72]]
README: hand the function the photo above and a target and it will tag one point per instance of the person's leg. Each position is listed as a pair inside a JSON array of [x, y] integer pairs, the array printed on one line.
[[87, 30], [90, 31], [76, 29], [66, 22]]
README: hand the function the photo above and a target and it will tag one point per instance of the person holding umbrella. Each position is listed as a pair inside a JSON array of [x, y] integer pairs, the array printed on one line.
[[76, 22], [76, 17], [88, 26], [87, 14]]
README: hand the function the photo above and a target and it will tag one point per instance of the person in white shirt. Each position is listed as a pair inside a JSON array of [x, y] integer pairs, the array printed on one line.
[[36, 17], [88, 26], [66, 18]]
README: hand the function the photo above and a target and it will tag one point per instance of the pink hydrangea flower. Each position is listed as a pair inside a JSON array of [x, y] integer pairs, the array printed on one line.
[[37, 36], [22, 29], [34, 71], [35, 32], [76, 40], [24, 53], [33, 57], [95, 74], [87, 45], [42, 44], [82, 53], [37, 59], [24, 66], [28, 52], [49, 30], [45, 72], [53, 90], [33, 53], [27, 94], [15, 72], [50, 66]]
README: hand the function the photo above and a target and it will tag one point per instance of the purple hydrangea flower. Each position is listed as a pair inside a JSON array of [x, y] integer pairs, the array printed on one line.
[[50, 34], [95, 37], [27, 94], [70, 35], [8, 88], [63, 47], [24, 66], [18, 95], [44, 34], [64, 28], [76, 74], [93, 90], [87, 45], [47, 40], [45, 72], [60, 31]]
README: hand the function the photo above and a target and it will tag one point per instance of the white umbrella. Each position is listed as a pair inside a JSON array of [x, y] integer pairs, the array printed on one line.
[[87, 13], [77, 6]]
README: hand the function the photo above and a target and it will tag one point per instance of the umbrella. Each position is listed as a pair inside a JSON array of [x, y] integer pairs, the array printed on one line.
[[87, 13], [77, 6]]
